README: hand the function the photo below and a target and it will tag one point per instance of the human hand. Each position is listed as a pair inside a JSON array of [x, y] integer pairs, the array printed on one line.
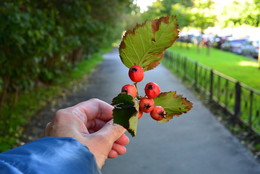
[[90, 122]]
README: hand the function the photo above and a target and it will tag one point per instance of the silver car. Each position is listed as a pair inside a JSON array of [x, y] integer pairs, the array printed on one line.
[[233, 45], [251, 48]]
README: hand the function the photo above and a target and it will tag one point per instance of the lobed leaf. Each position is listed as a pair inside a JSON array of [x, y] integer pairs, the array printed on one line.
[[125, 112], [173, 104], [145, 44]]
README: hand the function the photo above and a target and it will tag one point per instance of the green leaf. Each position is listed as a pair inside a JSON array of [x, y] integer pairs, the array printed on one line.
[[173, 104], [145, 44], [125, 112]]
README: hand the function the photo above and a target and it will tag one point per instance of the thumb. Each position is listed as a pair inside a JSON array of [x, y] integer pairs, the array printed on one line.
[[112, 131]]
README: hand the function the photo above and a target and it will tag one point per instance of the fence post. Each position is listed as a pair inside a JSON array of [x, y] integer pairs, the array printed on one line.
[[177, 63], [250, 109], [184, 67], [196, 74], [237, 108], [211, 83], [172, 60]]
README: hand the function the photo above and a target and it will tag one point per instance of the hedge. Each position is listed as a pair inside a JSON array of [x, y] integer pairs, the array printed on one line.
[[40, 40]]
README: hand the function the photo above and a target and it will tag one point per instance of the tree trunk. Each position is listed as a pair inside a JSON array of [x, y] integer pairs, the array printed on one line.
[[187, 45], [6, 81], [258, 57], [208, 50], [198, 47]]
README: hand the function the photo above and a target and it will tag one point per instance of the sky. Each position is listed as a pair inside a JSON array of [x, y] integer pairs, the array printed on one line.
[[143, 4]]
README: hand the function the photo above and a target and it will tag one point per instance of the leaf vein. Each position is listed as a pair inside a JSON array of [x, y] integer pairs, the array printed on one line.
[[132, 45], [129, 59], [142, 44]]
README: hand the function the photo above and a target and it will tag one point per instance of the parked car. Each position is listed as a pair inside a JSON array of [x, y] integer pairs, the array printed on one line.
[[233, 45], [219, 40], [251, 48]]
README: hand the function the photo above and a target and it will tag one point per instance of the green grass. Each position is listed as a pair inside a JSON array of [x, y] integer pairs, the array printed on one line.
[[82, 69], [238, 67], [14, 117]]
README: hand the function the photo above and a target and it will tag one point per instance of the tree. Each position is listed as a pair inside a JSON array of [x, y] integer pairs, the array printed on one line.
[[170, 7], [167, 5], [240, 12], [41, 41]]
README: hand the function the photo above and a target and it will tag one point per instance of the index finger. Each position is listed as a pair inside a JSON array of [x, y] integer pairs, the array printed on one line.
[[95, 111]]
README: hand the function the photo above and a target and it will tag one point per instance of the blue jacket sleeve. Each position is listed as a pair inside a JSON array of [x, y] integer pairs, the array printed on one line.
[[49, 155]]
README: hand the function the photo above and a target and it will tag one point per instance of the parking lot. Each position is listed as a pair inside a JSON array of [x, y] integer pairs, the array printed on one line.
[[246, 46]]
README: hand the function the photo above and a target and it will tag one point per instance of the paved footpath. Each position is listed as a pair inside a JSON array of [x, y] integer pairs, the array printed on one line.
[[194, 143]]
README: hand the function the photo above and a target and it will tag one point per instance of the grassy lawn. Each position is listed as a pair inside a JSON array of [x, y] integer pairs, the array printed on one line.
[[238, 67]]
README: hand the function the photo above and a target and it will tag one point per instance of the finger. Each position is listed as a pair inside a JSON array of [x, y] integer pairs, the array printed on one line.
[[112, 131], [119, 149], [95, 108], [93, 113], [123, 140], [112, 154], [47, 129], [95, 125], [106, 109]]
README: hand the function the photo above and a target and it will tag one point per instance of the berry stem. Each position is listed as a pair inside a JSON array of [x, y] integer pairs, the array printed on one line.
[[137, 96]]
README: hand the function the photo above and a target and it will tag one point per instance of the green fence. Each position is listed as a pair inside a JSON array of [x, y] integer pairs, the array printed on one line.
[[239, 100]]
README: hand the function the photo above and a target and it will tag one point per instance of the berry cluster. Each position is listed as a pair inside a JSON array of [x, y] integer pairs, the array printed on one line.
[[152, 90]]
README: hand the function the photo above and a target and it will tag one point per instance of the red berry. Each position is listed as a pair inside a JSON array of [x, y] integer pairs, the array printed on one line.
[[158, 113], [136, 73], [140, 114], [146, 105], [130, 90], [152, 90]]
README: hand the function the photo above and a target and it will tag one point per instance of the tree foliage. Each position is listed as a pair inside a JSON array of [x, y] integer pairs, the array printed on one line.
[[243, 12], [202, 14], [41, 40]]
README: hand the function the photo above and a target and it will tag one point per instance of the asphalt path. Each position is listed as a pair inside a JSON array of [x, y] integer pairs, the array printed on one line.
[[194, 143]]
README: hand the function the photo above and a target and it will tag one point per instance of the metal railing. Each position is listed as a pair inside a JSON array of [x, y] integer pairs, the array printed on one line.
[[239, 100]]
